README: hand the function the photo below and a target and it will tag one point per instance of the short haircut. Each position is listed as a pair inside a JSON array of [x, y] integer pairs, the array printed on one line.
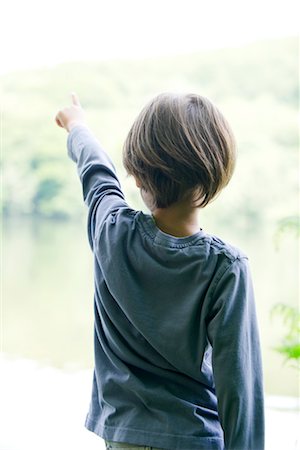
[[178, 146]]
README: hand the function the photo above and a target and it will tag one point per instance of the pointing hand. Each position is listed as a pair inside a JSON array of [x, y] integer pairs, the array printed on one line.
[[71, 116]]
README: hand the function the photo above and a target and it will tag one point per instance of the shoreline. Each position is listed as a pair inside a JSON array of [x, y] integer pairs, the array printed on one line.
[[49, 406]]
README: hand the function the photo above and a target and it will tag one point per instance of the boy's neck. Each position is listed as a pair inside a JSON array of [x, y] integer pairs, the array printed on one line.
[[178, 220]]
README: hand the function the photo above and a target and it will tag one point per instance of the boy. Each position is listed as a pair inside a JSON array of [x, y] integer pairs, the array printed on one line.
[[177, 350]]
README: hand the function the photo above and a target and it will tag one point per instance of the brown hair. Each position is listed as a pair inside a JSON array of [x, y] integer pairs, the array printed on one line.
[[179, 145]]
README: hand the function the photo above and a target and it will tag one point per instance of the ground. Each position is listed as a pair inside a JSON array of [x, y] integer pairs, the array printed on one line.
[[45, 408]]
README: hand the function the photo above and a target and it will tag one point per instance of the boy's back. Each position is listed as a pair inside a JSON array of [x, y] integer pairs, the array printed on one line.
[[177, 352]]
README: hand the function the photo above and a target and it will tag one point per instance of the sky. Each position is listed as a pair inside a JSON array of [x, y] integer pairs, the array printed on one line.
[[39, 33]]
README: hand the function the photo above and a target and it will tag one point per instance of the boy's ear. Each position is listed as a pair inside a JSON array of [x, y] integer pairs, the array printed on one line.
[[138, 183]]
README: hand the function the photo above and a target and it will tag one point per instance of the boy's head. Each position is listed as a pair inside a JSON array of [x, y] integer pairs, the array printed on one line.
[[180, 147]]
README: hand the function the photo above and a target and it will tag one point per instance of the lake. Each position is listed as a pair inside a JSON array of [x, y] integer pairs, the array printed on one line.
[[47, 294]]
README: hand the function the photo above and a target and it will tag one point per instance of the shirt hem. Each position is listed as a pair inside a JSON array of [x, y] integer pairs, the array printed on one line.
[[153, 438]]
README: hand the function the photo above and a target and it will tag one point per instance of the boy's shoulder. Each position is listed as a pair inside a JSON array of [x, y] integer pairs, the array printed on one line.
[[232, 252], [214, 244]]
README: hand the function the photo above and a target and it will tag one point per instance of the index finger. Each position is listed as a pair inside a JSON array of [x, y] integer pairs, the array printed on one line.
[[75, 99]]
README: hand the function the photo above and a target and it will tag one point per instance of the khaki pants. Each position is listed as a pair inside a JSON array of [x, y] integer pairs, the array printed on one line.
[[110, 445]]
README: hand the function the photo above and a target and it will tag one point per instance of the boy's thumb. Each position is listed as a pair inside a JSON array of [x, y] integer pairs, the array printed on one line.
[[75, 99]]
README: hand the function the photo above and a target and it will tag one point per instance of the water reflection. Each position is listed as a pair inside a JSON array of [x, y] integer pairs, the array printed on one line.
[[48, 294]]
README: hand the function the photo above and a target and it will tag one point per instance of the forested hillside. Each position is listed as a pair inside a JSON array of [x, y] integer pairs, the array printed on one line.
[[255, 86]]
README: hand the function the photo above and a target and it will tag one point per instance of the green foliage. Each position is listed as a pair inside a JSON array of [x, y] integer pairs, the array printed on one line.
[[289, 224], [255, 86], [290, 346]]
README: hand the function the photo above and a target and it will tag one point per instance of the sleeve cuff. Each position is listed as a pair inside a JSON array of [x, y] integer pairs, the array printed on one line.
[[72, 136]]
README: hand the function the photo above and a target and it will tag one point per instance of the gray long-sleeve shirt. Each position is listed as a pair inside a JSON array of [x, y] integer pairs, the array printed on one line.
[[177, 350]]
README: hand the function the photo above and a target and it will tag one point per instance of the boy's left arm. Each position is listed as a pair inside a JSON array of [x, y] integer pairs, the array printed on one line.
[[236, 359]]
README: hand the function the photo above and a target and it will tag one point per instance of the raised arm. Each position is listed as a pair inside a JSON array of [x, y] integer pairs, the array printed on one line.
[[236, 358], [101, 188]]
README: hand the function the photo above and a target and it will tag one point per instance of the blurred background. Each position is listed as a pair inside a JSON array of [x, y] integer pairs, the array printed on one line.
[[117, 55]]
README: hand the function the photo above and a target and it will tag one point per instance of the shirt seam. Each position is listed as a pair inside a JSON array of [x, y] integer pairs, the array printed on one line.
[[214, 287], [111, 212]]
